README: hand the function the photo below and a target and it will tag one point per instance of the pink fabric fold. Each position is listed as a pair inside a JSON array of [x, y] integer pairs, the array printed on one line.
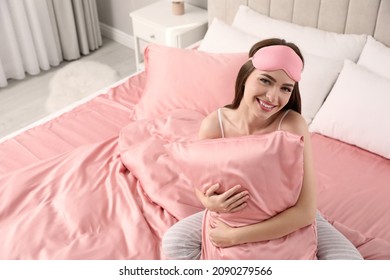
[[94, 121], [68, 190], [80, 205], [353, 194]]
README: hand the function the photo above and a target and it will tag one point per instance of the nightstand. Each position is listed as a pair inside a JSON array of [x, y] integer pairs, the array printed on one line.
[[156, 24]]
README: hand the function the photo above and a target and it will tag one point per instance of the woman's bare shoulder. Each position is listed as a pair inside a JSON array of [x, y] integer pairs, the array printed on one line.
[[295, 123], [209, 127]]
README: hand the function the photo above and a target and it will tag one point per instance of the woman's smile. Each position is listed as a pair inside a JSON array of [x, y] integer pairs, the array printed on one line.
[[265, 106]]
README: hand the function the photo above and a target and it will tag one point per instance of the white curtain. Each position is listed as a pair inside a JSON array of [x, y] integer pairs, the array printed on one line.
[[38, 34]]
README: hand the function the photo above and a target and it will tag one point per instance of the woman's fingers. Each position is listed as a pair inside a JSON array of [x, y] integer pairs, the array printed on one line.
[[238, 207], [219, 233], [212, 189], [232, 200], [237, 200], [230, 192], [239, 204]]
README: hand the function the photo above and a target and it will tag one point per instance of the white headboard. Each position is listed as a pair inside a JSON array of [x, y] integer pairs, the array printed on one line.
[[370, 17]]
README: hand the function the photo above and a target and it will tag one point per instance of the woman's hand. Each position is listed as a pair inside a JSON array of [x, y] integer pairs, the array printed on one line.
[[228, 202], [220, 234]]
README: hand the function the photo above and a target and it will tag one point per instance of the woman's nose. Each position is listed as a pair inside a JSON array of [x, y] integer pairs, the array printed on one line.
[[271, 95]]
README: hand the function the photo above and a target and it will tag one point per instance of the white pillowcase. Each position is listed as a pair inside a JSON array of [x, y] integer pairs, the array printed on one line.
[[356, 110], [376, 57], [312, 40], [318, 76], [223, 38]]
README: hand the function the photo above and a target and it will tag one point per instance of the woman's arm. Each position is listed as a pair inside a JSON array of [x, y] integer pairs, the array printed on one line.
[[298, 216], [231, 200]]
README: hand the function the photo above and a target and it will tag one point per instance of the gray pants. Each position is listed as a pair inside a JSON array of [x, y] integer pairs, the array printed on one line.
[[183, 241]]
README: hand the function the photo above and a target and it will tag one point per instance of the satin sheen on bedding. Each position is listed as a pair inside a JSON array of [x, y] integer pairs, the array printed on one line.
[[187, 79], [85, 203], [270, 167], [66, 194], [356, 203], [90, 122]]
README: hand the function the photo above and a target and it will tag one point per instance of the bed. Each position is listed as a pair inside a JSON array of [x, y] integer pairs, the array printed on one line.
[[96, 180]]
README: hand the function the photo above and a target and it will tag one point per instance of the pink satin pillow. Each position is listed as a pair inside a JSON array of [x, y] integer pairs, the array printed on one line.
[[187, 79], [270, 167]]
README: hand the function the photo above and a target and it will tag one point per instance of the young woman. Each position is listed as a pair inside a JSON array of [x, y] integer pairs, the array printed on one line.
[[267, 99]]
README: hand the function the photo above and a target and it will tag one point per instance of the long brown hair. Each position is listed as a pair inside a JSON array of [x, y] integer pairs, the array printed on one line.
[[294, 102]]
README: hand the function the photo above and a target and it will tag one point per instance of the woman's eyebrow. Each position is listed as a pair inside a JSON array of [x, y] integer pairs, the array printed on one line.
[[274, 80], [269, 77]]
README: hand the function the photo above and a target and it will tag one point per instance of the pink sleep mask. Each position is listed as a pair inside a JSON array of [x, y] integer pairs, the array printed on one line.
[[279, 57]]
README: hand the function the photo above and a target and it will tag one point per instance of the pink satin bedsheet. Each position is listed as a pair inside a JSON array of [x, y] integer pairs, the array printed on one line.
[[353, 194], [96, 120], [67, 195], [91, 203]]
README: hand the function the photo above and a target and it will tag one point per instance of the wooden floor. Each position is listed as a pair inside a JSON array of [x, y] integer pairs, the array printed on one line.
[[22, 102]]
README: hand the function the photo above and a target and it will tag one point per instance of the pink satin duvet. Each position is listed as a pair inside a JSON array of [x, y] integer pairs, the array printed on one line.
[[83, 185], [114, 199], [89, 203]]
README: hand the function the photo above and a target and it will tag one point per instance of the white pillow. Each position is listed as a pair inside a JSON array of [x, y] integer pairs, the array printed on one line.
[[223, 38], [376, 57], [356, 110], [312, 40], [318, 78]]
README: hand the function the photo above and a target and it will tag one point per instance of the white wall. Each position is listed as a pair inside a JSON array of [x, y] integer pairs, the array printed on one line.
[[115, 20]]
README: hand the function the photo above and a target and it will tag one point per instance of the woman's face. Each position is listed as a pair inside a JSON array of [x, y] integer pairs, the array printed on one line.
[[267, 92]]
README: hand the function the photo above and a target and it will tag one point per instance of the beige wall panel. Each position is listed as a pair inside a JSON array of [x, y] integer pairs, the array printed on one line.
[[333, 15]]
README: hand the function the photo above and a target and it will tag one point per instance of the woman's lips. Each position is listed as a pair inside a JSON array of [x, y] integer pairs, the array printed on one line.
[[266, 106]]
